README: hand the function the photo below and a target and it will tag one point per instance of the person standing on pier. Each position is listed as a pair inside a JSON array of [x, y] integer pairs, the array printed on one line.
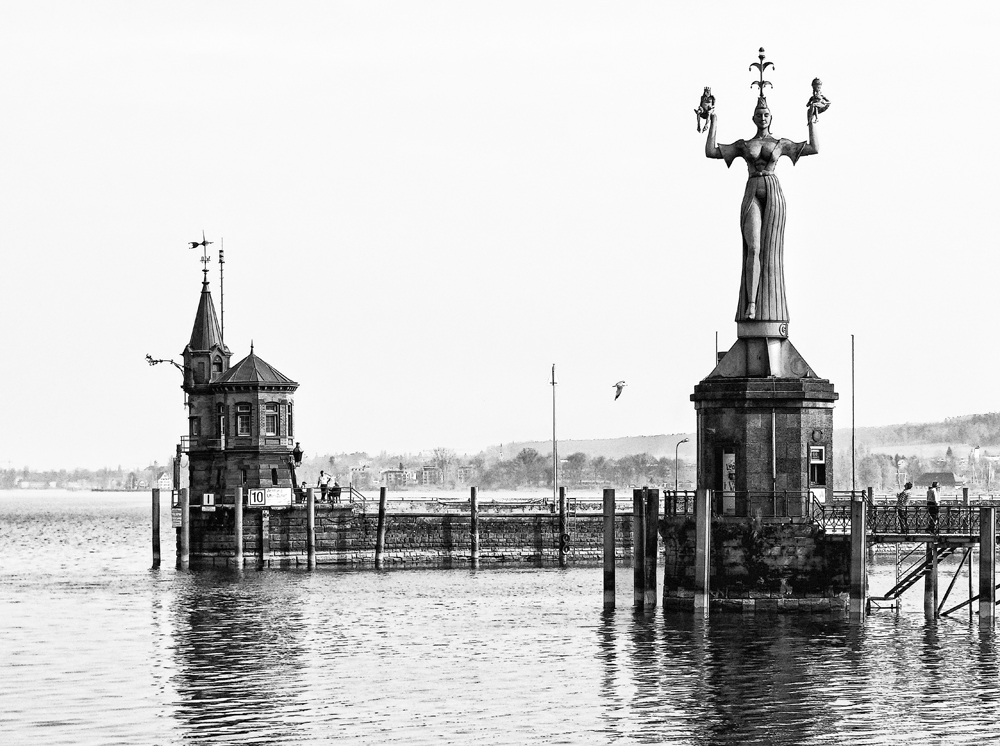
[[902, 500], [932, 507], [324, 484]]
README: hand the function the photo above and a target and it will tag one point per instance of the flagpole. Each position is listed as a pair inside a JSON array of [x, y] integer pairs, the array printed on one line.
[[555, 447]]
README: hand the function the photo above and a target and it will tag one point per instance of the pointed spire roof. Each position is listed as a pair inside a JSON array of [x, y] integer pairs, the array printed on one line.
[[206, 333], [254, 370]]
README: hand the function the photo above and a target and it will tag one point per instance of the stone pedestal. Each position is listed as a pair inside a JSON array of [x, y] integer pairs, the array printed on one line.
[[762, 435]]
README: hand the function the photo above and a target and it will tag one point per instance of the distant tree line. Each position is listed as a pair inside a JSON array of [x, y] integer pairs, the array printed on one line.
[[888, 473], [87, 479], [976, 429]]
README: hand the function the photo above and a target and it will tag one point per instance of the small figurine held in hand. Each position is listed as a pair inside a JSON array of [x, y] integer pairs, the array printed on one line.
[[705, 107], [818, 103]]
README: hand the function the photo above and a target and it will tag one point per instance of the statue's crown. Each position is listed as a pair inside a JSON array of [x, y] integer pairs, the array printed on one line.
[[761, 67]]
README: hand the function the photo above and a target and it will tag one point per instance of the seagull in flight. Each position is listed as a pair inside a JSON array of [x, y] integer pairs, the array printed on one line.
[[619, 386]]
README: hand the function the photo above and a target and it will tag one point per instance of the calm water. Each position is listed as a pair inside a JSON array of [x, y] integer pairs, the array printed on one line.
[[97, 648]]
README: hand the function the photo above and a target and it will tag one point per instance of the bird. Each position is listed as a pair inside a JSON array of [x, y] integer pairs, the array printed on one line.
[[619, 386]]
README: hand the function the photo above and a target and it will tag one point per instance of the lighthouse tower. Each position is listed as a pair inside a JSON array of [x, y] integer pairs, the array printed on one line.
[[240, 417]]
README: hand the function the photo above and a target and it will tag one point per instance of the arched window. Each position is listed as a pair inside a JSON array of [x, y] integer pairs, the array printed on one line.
[[217, 367]]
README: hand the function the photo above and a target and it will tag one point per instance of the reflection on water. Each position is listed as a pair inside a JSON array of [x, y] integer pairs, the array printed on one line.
[[97, 648]]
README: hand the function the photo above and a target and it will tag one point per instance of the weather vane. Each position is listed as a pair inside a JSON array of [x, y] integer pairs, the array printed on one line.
[[204, 252]]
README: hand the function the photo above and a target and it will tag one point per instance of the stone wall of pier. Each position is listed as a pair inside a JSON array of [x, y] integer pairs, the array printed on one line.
[[759, 565], [345, 535]]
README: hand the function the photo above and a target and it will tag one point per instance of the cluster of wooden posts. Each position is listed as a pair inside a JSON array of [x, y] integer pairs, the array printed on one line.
[[645, 537], [184, 536]]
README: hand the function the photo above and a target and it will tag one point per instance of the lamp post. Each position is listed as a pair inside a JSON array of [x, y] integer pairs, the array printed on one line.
[[676, 448]]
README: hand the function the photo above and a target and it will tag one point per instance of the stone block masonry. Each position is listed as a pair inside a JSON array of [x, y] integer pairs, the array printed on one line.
[[762, 565], [345, 535]]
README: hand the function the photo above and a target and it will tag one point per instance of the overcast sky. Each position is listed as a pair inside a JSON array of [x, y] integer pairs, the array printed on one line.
[[426, 204]]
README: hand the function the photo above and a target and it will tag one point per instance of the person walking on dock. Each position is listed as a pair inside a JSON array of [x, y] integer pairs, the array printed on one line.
[[297, 454], [932, 508], [902, 500]]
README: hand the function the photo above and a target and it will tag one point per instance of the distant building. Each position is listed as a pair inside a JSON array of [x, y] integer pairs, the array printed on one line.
[[393, 478], [945, 479], [466, 474], [361, 477], [398, 477], [431, 475]]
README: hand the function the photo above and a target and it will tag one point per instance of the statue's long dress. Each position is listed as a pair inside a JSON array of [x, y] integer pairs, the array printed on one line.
[[770, 297]]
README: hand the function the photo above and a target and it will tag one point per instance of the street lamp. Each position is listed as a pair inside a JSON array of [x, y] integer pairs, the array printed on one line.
[[676, 447]]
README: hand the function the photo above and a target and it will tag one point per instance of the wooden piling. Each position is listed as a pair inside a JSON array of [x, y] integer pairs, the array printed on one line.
[[702, 550], [380, 535], [930, 581], [651, 525], [474, 525], [609, 549], [265, 535], [238, 527], [970, 586], [156, 527], [310, 529], [184, 550], [987, 565], [563, 536], [859, 563], [177, 468], [638, 549]]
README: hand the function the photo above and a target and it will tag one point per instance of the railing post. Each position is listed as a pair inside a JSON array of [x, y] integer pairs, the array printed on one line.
[[184, 550], [474, 525], [987, 565], [609, 549], [703, 550], [638, 549], [156, 527], [310, 529], [238, 526], [859, 557]]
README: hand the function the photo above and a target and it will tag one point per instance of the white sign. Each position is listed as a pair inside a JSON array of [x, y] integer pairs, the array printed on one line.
[[208, 499], [269, 496], [279, 495], [175, 517]]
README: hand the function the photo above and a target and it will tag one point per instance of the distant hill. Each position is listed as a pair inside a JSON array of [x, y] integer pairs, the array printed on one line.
[[658, 446], [910, 438], [975, 429]]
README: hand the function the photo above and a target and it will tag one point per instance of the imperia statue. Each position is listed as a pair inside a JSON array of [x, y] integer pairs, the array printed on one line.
[[762, 215]]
